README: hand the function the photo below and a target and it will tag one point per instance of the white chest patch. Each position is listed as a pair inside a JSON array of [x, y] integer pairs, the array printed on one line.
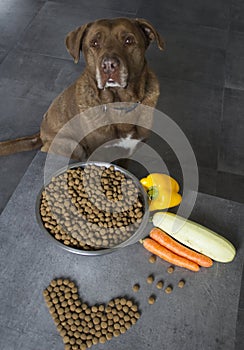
[[127, 143]]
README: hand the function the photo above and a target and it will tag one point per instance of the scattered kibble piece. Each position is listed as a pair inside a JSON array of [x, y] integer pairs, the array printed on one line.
[[152, 259], [160, 284], [181, 284], [150, 279], [151, 299], [170, 269], [168, 289], [136, 287]]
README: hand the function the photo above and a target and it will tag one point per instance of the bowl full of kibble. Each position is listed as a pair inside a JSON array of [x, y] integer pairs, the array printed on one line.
[[93, 208]]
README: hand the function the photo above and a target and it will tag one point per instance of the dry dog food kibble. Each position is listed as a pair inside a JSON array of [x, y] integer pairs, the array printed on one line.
[[160, 284], [151, 299], [168, 289], [170, 269], [181, 284], [82, 326], [150, 279], [136, 287], [91, 208], [152, 259]]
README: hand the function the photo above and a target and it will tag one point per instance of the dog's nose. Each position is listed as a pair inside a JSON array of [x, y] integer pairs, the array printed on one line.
[[110, 64]]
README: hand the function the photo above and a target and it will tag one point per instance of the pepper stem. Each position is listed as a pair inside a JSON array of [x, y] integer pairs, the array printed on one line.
[[152, 192]]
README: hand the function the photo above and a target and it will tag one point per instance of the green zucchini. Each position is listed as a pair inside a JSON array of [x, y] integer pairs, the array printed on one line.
[[195, 236]]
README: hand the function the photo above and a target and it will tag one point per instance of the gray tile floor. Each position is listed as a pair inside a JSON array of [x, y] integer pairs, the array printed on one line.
[[201, 75], [203, 315]]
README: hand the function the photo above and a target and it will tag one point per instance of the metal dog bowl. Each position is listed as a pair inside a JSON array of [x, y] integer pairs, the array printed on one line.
[[135, 236]]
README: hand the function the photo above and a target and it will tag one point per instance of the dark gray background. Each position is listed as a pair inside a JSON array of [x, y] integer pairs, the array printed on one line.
[[201, 75]]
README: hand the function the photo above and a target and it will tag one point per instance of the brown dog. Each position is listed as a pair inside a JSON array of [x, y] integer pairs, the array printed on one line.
[[116, 71]]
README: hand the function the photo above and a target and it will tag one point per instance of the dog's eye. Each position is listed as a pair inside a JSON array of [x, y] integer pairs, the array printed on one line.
[[129, 40], [94, 43]]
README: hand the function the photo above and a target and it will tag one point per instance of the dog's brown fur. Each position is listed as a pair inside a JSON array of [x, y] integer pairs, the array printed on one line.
[[121, 41]]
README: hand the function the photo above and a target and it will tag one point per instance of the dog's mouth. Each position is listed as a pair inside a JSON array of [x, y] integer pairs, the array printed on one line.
[[111, 72], [112, 83]]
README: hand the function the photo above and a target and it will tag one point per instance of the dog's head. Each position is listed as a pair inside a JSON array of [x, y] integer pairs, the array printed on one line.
[[114, 49]]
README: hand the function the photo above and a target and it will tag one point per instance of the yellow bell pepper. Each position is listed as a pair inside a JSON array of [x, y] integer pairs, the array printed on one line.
[[162, 191]]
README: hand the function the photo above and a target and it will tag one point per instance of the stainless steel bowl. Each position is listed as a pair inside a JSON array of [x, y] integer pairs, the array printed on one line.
[[135, 237]]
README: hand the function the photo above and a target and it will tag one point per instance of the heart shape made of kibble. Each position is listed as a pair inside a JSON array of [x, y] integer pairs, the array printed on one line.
[[81, 325]]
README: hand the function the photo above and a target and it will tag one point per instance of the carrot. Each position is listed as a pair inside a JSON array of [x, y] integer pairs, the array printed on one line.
[[165, 254], [168, 242]]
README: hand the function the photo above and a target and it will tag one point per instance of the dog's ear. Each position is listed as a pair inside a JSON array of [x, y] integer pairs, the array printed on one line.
[[73, 41], [150, 33]]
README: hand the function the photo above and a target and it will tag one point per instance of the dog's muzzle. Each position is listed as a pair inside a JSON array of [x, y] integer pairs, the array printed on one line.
[[111, 72]]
